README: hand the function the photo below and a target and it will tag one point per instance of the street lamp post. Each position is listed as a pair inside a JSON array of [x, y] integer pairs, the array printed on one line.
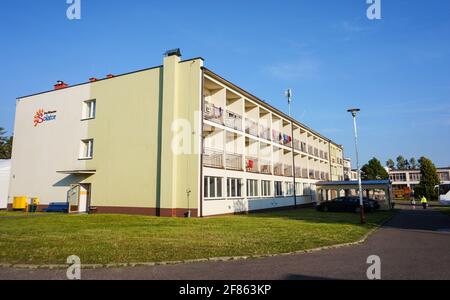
[[289, 97], [354, 111]]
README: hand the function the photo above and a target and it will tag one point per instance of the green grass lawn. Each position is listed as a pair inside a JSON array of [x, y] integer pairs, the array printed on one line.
[[104, 239]]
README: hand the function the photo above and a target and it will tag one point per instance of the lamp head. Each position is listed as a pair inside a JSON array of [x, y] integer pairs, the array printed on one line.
[[354, 111]]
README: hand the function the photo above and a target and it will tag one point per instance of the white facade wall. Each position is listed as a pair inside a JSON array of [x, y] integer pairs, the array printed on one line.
[[40, 152], [5, 170]]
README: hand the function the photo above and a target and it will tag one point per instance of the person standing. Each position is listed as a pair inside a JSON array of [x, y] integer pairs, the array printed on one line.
[[424, 202], [413, 203]]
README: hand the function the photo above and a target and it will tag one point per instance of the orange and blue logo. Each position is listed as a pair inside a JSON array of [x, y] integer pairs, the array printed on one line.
[[42, 116]]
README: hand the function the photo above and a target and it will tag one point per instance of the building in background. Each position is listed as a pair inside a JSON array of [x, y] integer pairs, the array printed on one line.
[[5, 169], [409, 179], [167, 141]]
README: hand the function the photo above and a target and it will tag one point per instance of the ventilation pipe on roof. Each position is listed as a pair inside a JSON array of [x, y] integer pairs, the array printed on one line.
[[60, 85]]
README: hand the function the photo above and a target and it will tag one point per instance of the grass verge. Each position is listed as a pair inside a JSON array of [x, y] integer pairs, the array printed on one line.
[[107, 239]]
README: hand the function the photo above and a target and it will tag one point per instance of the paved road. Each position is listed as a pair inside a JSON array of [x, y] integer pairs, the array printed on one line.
[[413, 245]]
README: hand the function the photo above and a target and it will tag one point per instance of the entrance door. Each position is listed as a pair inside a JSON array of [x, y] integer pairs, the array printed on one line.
[[85, 198]]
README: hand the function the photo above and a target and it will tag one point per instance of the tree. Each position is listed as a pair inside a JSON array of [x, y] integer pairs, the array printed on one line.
[[5, 145], [413, 163], [373, 170], [401, 163], [390, 164], [429, 180]]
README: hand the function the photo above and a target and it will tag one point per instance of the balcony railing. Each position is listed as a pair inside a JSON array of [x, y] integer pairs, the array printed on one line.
[[278, 169], [277, 137], [233, 120], [311, 174], [266, 167], [264, 133], [213, 158], [304, 173], [297, 145], [251, 127], [317, 175], [303, 147], [316, 152], [298, 172], [288, 171], [310, 150], [252, 164], [233, 161], [213, 113]]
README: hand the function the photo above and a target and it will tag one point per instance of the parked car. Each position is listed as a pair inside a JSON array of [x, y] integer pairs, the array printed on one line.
[[348, 204]]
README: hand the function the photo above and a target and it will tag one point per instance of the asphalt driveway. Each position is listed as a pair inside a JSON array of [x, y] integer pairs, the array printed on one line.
[[415, 244]]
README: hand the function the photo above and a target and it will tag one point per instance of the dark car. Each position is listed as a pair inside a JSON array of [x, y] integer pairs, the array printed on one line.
[[348, 204]]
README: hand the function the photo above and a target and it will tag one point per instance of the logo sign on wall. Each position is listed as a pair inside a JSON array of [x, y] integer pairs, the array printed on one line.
[[42, 116]]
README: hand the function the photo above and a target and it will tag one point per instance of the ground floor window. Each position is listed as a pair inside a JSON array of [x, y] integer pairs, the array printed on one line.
[[298, 188], [234, 187], [278, 188], [306, 189], [252, 188], [265, 188], [289, 188], [213, 187]]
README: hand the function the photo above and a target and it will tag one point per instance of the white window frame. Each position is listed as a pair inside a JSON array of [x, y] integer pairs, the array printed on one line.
[[89, 109], [217, 183], [266, 188], [278, 188], [87, 149], [237, 184], [252, 188]]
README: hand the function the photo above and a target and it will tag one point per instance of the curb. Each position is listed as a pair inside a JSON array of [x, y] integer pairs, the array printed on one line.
[[200, 260]]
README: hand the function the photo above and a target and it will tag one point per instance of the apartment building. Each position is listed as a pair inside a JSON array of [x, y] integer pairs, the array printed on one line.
[[410, 178], [171, 140]]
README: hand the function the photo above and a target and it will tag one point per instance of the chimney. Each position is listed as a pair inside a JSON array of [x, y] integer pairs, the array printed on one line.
[[110, 76], [93, 79], [60, 85], [173, 52]]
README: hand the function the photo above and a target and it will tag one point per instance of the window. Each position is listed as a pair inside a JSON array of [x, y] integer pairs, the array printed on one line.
[[306, 189], [298, 189], [278, 188], [89, 109], [289, 188], [252, 188], [265, 188], [212, 187], [234, 187], [87, 149]]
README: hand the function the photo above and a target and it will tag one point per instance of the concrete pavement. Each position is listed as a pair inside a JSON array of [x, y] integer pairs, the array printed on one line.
[[415, 244]]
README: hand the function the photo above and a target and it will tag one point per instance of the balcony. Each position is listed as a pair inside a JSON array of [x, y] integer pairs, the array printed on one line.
[[297, 145], [287, 171], [264, 133], [278, 169], [233, 120], [252, 165], [304, 173], [266, 167], [317, 175], [233, 161], [303, 147], [311, 174], [298, 172], [213, 113], [213, 158], [310, 150], [316, 152], [251, 127], [277, 137]]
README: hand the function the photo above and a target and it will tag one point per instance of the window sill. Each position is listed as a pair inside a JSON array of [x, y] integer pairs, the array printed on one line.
[[85, 158]]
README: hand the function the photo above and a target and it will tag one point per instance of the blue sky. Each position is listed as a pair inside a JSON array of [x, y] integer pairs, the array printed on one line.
[[395, 69]]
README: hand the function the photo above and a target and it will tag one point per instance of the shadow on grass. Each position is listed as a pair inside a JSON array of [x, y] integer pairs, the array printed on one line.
[[311, 215]]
